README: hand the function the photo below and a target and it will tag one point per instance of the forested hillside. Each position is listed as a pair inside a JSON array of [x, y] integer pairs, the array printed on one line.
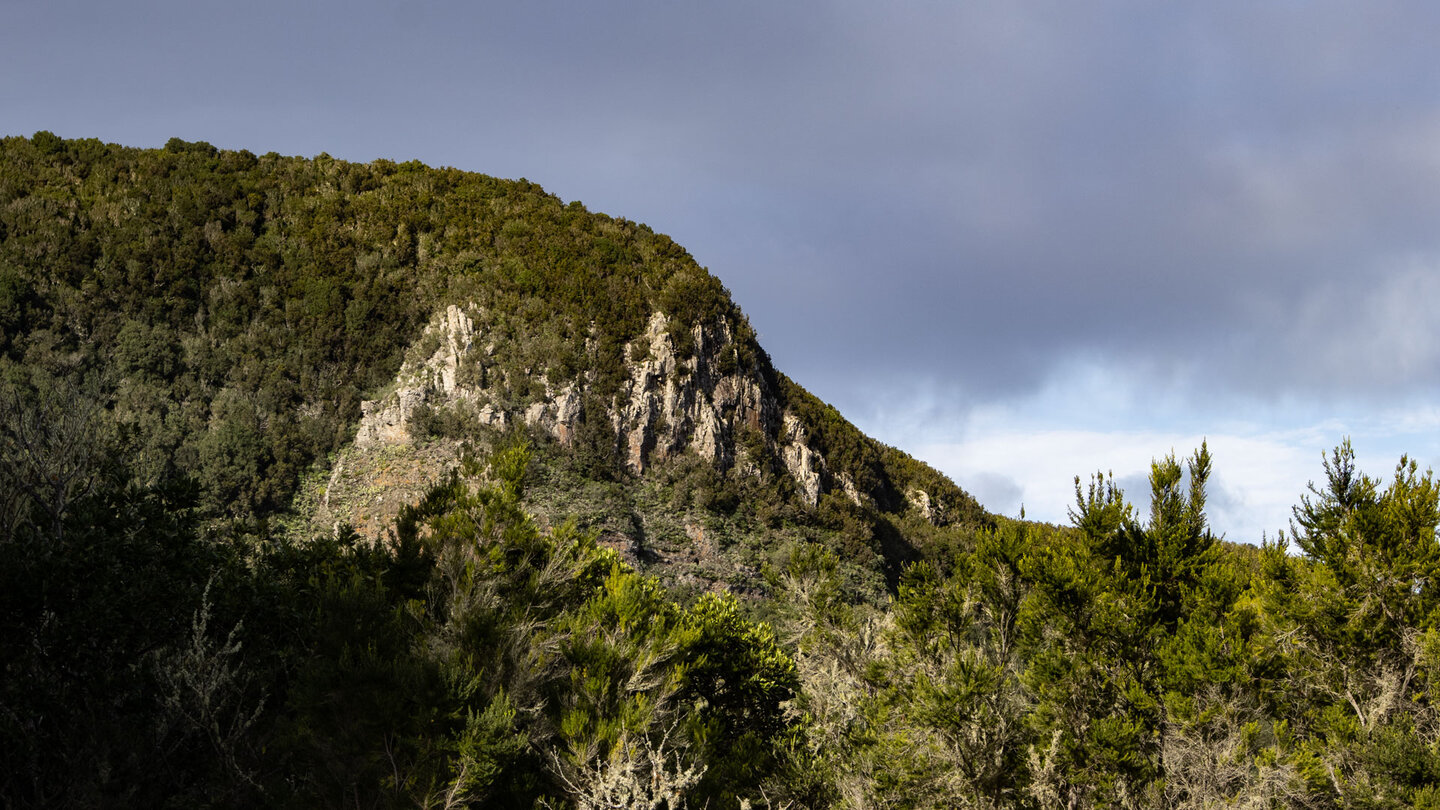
[[237, 308], [624, 562]]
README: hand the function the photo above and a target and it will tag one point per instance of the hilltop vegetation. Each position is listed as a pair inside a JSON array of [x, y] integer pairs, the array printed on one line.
[[186, 336]]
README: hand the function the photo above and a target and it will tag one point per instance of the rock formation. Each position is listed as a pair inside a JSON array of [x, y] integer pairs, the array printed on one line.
[[668, 404]]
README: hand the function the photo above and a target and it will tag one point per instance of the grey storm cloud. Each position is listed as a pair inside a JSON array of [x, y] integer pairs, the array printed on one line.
[[1243, 197]]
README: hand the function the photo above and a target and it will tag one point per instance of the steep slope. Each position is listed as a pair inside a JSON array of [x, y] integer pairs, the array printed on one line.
[[257, 323]]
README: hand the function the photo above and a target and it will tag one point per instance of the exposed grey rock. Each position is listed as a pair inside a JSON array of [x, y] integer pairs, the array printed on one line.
[[433, 379], [667, 404], [803, 464], [920, 500]]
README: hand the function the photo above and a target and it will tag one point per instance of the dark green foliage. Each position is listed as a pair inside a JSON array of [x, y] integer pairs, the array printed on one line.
[[595, 446], [102, 580], [80, 625], [474, 660]]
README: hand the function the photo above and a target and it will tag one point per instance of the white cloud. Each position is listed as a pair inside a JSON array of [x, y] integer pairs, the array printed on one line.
[[1094, 416]]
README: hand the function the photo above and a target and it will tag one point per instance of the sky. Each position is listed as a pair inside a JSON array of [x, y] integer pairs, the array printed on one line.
[[1022, 241]]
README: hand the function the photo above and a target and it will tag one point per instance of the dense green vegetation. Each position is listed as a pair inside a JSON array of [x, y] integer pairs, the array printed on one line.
[[1143, 663], [476, 660], [186, 333]]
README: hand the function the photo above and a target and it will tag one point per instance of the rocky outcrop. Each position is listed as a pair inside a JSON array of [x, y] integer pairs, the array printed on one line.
[[671, 404], [920, 501], [430, 380], [702, 401], [804, 464]]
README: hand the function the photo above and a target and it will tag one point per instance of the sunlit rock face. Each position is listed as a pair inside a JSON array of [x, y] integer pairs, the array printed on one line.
[[667, 405]]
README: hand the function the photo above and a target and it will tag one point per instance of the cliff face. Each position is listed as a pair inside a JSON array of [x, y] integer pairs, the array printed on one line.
[[667, 404]]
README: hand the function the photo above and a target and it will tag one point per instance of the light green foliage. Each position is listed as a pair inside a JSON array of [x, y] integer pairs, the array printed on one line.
[[1040, 669], [1356, 614]]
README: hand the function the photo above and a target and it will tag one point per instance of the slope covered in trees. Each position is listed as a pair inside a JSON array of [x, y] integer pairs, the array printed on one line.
[[187, 337]]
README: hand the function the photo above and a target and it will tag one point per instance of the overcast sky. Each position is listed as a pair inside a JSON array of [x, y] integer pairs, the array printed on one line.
[[1020, 240]]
